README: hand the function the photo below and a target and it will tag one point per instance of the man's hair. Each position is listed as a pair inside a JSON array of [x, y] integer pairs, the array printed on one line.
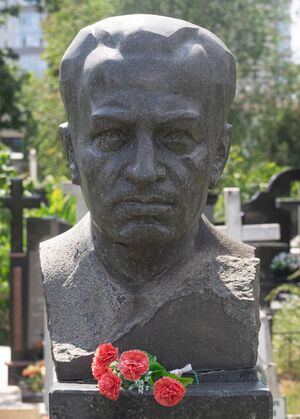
[[148, 35]]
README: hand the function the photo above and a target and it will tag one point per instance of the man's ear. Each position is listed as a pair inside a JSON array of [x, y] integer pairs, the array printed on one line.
[[221, 156], [67, 142]]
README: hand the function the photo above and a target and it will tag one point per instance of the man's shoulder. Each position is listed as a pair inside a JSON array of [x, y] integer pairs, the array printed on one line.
[[233, 263], [220, 244], [60, 254]]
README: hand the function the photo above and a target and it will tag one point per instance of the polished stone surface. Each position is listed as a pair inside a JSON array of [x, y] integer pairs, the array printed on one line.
[[205, 401]]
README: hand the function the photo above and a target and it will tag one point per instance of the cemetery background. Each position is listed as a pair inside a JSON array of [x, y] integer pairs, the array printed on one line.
[[265, 120]]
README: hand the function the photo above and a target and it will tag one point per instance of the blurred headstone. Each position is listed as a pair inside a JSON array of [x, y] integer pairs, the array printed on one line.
[[33, 164], [233, 221], [38, 229], [295, 242], [267, 366], [16, 203], [264, 207]]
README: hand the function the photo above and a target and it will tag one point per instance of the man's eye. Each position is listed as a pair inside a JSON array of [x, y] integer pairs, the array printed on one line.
[[112, 140], [180, 142]]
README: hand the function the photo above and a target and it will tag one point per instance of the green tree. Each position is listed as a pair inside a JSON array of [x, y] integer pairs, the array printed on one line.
[[11, 112], [264, 114], [6, 172], [268, 83], [242, 173], [13, 115], [65, 18]]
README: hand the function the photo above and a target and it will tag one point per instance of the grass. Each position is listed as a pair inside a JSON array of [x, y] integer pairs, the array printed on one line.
[[291, 390]]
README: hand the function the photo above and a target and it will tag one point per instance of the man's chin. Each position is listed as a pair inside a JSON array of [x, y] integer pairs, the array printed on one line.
[[142, 233]]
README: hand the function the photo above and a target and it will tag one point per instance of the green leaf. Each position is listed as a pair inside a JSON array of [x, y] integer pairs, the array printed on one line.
[[153, 364], [156, 366], [186, 381], [151, 357]]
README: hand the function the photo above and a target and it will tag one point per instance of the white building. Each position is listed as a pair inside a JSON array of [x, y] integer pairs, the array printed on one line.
[[295, 30], [24, 35]]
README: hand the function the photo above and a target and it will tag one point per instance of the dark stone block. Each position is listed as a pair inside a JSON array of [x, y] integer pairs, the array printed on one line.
[[265, 251], [224, 376], [264, 207], [246, 400]]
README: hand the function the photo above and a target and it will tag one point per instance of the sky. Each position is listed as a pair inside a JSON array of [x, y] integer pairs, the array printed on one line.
[[295, 30]]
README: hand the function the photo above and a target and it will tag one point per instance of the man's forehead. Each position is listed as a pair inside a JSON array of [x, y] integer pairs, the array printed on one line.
[[131, 104]]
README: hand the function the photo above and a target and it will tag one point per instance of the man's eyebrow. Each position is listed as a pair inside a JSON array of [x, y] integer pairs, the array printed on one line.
[[178, 115], [113, 114]]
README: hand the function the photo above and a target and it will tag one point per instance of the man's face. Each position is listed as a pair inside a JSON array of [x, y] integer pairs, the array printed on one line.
[[144, 149]]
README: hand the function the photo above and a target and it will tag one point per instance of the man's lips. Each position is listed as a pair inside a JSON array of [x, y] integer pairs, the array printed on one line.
[[144, 206]]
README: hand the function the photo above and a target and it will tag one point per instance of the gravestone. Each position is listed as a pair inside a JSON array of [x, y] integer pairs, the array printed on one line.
[[269, 207], [147, 99], [38, 229], [264, 207], [295, 242], [290, 205], [16, 203], [38, 342], [233, 221], [267, 366], [26, 298], [33, 164]]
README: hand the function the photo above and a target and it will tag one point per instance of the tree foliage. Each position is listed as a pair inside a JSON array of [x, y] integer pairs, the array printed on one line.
[[11, 112], [243, 174], [266, 108], [65, 18], [6, 172]]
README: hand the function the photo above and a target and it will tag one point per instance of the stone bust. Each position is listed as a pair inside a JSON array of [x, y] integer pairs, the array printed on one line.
[[146, 99]]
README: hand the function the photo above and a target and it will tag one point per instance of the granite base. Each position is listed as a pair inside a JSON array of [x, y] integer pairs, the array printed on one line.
[[231, 400]]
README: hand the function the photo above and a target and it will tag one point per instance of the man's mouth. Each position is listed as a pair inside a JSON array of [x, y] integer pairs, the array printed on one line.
[[144, 206]]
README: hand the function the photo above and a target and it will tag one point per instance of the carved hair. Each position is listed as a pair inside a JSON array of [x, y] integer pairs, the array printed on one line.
[[148, 35]]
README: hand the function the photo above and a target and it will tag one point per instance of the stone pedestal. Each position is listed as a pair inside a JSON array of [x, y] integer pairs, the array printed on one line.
[[235, 400]]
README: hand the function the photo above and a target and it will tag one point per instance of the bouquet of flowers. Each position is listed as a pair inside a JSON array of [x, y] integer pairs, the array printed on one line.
[[139, 370], [34, 374]]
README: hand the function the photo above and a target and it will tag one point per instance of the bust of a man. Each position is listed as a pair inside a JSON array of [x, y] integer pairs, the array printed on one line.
[[146, 99]]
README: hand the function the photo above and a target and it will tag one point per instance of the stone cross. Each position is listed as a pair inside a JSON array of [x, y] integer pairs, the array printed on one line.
[[233, 221], [16, 203], [81, 208]]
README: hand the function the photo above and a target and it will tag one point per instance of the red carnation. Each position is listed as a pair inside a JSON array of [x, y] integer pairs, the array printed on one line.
[[168, 391], [109, 385], [104, 356], [133, 364]]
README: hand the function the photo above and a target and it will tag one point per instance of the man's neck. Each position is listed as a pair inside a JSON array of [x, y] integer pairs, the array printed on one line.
[[138, 264]]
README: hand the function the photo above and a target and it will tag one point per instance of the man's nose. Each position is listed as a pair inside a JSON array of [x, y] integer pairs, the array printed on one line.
[[144, 168]]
